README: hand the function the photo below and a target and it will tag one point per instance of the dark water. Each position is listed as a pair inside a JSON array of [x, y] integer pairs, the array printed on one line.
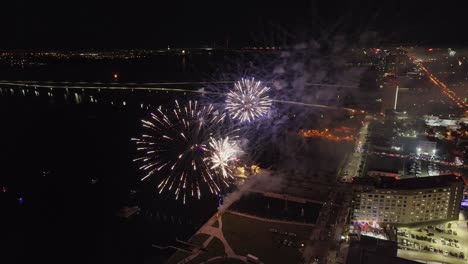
[[66, 168], [66, 161], [273, 208]]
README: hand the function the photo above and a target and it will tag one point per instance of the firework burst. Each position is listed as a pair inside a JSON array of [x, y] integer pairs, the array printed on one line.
[[248, 100], [223, 154], [174, 147]]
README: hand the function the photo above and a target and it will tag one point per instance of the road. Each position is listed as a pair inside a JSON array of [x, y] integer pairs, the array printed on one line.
[[351, 168], [324, 240], [445, 90]]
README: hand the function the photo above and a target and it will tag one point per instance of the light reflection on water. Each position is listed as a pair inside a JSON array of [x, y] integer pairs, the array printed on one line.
[[87, 116], [124, 97]]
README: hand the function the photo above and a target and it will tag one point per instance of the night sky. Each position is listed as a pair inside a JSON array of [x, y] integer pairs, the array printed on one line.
[[156, 24]]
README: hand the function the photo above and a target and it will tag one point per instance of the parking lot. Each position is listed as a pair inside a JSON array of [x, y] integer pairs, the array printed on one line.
[[446, 243], [286, 239]]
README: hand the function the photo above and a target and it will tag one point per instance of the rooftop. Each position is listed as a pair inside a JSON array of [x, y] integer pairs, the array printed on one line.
[[373, 250], [383, 170], [409, 183]]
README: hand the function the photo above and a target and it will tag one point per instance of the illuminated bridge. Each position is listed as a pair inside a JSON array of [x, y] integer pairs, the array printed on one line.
[[12, 86]]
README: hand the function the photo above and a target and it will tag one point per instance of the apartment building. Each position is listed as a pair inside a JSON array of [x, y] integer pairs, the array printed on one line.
[[407, 201]]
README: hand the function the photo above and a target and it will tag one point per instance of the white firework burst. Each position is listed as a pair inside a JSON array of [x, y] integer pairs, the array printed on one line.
[[223, 154], [174, 147], [248, 100]]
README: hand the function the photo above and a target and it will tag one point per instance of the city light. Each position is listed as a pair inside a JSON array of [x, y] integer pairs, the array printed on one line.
[[418, 150], [238, 134], [445, 90], [339, 134], [451, 52]]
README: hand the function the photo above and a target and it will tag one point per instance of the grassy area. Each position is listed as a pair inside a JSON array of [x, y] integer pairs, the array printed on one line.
[[227, 261], [197, 239], [215, 248], [251, 236], [178, 256]]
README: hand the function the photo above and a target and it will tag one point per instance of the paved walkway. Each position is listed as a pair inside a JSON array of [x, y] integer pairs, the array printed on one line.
[[196, 252], [218, 233], [214, 232]]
